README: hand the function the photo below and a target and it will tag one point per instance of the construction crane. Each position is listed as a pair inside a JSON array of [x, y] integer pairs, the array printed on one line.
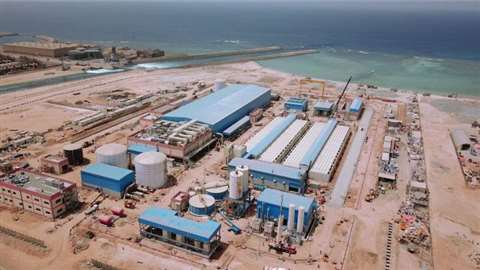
[[341, 95], [310, 80]]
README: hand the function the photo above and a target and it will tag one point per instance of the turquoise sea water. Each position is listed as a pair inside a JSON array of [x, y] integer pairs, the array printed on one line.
[[433, 46], [441, 76]]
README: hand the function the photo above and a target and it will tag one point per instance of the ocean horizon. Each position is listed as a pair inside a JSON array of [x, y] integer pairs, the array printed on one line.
[[417, 46]]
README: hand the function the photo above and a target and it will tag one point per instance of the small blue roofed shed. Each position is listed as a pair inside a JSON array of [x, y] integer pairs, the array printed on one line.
[[273, 175], [296, 104], [137, 149], [165, 225], [111, 180], [224, 107], [356, 105], [271, 203]]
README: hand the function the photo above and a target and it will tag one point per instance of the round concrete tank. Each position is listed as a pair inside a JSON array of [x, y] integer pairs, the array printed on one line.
[[245, 177], [239, 150], [219, 84], [151, 169], [112, 154], [201, 205], [235, 185], [219, 193], [74, 153]]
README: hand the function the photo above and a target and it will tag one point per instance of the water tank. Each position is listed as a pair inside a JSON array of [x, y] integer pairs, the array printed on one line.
[[300, 219], [201, 205], [219, 193], [112, 154], [74, 153], [235, 185], [151, 169], [219, 84], [245, 177], [239, 150]]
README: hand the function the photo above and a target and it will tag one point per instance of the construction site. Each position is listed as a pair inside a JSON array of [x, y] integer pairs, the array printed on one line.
[[234, 166]]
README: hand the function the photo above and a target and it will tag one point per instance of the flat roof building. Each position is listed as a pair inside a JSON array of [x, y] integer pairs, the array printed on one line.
[[223, 107], [48, 49], [165, 225], [41, 194], [111, 180], [272, 175], [273, 203], [323, 107], [296, 104]]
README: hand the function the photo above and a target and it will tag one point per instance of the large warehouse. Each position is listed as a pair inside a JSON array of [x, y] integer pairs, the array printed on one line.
[[224, 107], [48, 49], [111, 180]]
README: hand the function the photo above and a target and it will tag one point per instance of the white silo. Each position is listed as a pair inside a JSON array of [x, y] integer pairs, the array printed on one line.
[[300, 219], [291, 218], [235, 185], [151, 169], [219, 84], [245, 179], [112, 154]]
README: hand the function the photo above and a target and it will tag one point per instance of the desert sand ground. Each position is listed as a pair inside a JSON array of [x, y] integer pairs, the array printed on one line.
[[353, 236]]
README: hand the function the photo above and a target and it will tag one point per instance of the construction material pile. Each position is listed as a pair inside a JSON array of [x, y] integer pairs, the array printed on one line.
[[414, 229]]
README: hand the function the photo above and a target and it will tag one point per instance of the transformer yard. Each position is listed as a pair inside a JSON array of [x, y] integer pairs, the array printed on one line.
[[235, 166]]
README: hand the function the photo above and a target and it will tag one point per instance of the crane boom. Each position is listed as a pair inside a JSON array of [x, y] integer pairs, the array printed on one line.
[[341, 95]]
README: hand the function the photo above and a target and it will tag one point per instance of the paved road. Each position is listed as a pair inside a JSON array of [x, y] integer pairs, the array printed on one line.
[[337, 198]]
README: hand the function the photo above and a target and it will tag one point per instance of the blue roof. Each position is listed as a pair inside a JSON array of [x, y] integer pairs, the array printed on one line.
[[323, 106], [239, 124], [141, 148], [223, 107], [356, 105], [169, 220], [319, 143], [107, 171], [268, 168], [295, 100], [279, 128], [277, 198]]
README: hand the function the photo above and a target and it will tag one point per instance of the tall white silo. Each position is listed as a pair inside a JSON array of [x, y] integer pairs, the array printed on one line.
[[291, 218], [151, 169], [245, 179], [300, 219], [235, 185]]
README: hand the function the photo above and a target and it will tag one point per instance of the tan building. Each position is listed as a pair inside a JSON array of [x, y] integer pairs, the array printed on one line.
[[37, 193], [56, 164], [47, 49]]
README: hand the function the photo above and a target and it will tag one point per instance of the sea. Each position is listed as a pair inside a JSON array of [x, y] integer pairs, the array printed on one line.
[[417, 45]]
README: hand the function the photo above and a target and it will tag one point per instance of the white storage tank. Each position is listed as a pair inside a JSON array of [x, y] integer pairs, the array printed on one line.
[[112, 154], [219, 84], [235, 185], [245, 177], [291, 217], [300, 219], [151, 169], [239, 150]]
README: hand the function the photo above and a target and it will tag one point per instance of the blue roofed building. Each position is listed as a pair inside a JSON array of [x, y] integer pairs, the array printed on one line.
[[323, 107], [355, 109], [272, 203], [224, 107], [110, 179], [165, 225], [272, 175], [296, 104], [237, 128]]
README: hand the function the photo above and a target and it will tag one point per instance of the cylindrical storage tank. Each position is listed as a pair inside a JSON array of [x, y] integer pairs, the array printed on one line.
[[74, 153], [245, 177], [201, 205], [219, 193], [151, 169], [300, 219], [239, 150], [235, 185], [219, 84], [112, 154], [291, 218]]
